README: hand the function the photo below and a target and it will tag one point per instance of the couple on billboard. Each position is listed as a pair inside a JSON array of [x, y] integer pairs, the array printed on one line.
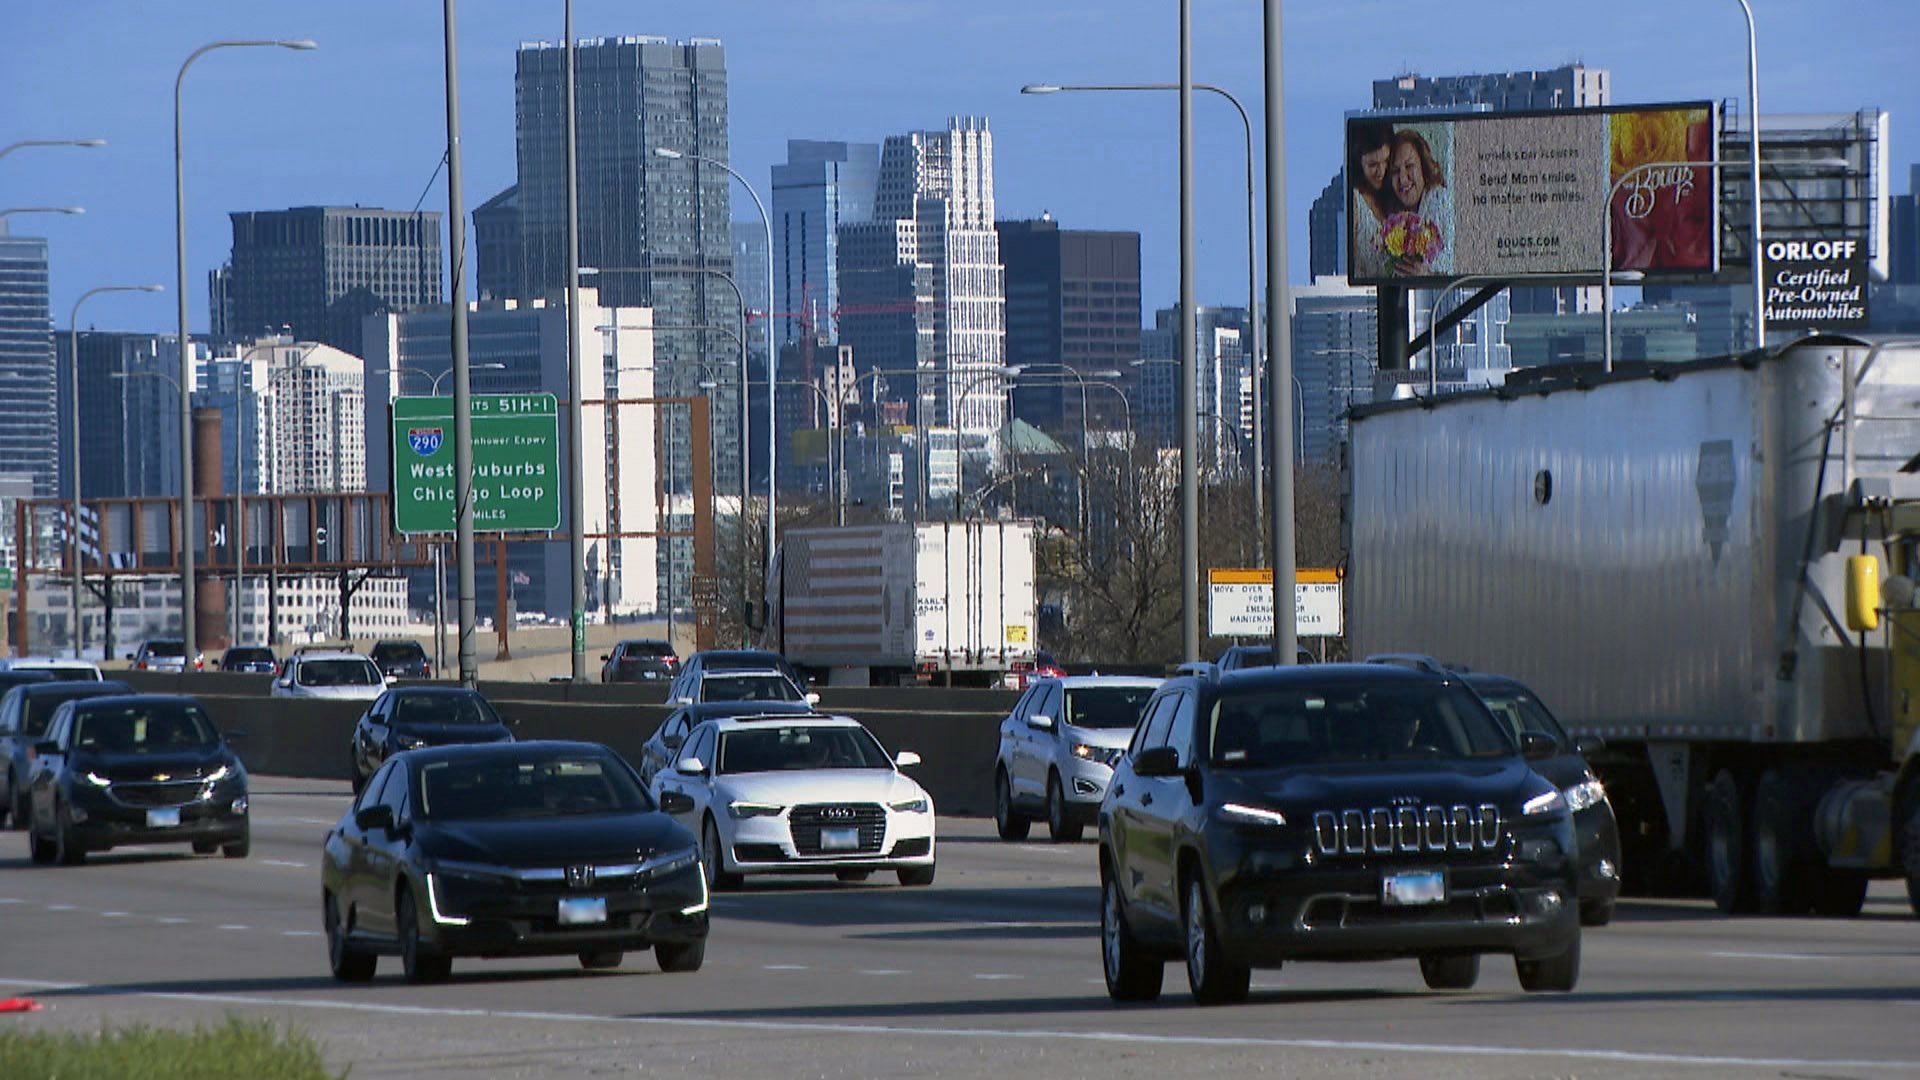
[[1402, 206]]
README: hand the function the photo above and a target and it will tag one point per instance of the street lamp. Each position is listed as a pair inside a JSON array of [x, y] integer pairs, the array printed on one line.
[[959, 409], [73, 384], [773, 354], [1753, 163], [187, 628], [432, 377], [9, 211], [11, 147]]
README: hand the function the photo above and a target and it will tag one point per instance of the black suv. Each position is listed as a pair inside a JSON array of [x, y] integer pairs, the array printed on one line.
[[639, 660], [401, 659], [1332, 812]]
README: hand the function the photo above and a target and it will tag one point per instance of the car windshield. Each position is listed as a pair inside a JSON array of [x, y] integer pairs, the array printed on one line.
[[500, 787], [338, 673], [1249, 656], [749, 686], [1106, 706], [145, 728], [1520, 711], [166, 648], [37, 710], [1277, 727], [249, 656], [443, 709], [407, 651], [777, 749]]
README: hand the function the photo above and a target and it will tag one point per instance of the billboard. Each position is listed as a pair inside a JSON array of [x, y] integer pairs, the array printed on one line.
[[1240, 603], [1816, 284], [1435, 197]]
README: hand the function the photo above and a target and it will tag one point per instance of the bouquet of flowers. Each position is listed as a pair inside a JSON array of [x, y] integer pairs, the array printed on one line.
[[1409, 241]]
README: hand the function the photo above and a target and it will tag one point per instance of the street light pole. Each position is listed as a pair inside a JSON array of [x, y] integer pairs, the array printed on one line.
[[576, 456], [1753, 163], [9, 211], [1189, 370], [11, 147], [73, 388], [188, 631], [462, 383], [1279, 335]]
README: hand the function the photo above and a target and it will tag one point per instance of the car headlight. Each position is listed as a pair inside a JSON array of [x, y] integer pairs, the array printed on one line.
[[1585, 794], [1242, 814], [455, 868], [917, 805], [97, 780], [1105, 755], [661, 865], [219, 774], [1544, 803], [740, 809], [408, 742]]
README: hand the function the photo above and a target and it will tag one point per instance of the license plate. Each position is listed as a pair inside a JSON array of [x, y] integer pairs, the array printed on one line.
[[839, 839], [163, 819], [582, 911], [1408, 890]]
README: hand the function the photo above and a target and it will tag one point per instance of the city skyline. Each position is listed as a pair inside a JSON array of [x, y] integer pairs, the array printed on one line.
[[1076, 156]]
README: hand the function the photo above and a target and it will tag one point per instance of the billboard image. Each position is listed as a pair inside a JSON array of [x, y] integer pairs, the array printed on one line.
[[1438, 197]]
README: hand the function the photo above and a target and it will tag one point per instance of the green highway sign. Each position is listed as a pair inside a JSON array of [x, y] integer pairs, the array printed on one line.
[[516, 464], [6, 577]]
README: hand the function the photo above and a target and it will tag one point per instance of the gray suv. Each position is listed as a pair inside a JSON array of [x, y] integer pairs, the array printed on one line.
[[1058, 748]]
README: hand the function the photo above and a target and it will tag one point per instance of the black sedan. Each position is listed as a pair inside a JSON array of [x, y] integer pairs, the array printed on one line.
[[410, 717], [1569, 771], [134, 769], [512, 849], [25, 711]]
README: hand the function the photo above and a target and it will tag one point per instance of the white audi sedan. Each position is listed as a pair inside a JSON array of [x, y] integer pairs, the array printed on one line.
[[800, 795]]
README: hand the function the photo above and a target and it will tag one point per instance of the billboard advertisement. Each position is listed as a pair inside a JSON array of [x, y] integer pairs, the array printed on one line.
[[1434, 197], [1816, 284]]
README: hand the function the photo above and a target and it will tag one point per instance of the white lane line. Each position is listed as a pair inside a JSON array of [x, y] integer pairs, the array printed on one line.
[[61, 907], [1132, 1038], [783, 967], [234, 926], [880, 971], [301, 933], [113, 914], [10, 900], [173, 920], [996, 977], [284, 862]]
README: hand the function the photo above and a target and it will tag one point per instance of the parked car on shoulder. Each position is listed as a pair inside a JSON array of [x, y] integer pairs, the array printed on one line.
[[336, 675], [1058, 747], [25, 711], [508, 849], [410, 717], [134, 769], [254, 659], [401, 659], [165, 654], [665, 741], [53, 667], [639, 660], [1333, 812]]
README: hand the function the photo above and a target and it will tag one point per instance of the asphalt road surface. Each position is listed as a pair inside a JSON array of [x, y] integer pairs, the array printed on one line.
[[993, 970]]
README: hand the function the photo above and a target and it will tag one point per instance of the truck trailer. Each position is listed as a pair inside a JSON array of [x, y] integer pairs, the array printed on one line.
[[949, 603], [1710, 565]]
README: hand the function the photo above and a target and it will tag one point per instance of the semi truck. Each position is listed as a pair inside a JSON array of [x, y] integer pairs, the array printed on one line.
[[948, 603], [1710, 565]]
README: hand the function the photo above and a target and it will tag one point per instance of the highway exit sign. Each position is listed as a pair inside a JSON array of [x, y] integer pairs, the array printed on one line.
[[516, 464]]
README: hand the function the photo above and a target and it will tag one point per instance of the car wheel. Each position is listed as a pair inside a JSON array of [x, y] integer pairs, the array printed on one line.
[[1726, 840], [1781, 864], [1006, 820], [1061, 825], [358, 782], [1906, 836], [10, 816], [417, 959], [40, 850], [1133, 973], [1450, 972], [852, 875], [713, 861], [678, 957], [348, 963], [205, 847], [239, 848], [66, 849], [600, 961], [1596, 912], [1559, 973], [916, 876], [1839, 894], [22, 809], [1213, 978]]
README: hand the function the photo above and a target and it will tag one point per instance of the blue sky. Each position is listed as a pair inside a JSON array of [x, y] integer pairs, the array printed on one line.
[[362, 119]]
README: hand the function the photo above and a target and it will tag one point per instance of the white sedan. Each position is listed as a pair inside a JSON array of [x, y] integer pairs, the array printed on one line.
[[800, 795]]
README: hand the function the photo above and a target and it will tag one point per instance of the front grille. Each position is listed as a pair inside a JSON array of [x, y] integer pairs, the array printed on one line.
[[808, 821], [147, 794], [1406, 829], [919, 847], [1352, 912]]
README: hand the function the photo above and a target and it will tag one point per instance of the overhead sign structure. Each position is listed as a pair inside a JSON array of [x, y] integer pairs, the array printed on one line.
[[516, 464], [1240, 603], [1816, 284], [1434, 197]]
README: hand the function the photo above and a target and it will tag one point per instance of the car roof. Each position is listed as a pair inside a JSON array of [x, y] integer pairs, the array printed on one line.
[[1490, 681], [76, 689], [1322, 674], [519, 749], [649, 641], [743, 673], [136, 696], [728, 656], [737, 723], [41, 663], [416, 690], [1083, 682], [714, 710], [328, 656]]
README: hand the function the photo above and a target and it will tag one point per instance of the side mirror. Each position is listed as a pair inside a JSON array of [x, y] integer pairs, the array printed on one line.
[[676, 802], [1040, 722], [374, 817], [906, 759], [1159, 761], [1589, 745], [690, 766], [1536, 747], [813, 698], [672, 742], [604, 656]]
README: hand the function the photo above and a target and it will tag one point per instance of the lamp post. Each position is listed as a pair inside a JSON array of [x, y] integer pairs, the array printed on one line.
[[187, 628], [11, 147], [959, 402], [1253, 265], [850, 392], [576, 457], [773, 355], [73, 386], [1753, 163], [11, 210]]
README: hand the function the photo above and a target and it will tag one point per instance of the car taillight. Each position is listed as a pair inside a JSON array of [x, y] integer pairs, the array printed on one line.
[[426, 671]]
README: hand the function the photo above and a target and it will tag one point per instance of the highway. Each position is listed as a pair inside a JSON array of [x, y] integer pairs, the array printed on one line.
[[993, 970]]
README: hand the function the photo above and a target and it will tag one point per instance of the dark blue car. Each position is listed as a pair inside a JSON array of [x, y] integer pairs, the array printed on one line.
[[24, 713]]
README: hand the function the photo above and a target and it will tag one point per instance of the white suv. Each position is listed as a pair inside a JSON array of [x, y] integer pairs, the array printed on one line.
[[1058, 748], [338, 676]]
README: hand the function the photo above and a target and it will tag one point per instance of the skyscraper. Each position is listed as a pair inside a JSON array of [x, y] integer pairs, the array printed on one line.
[[820, 187], [499, 269], [315, 272], [639, 211], [28, 428], [1073, 299], [1333, 359]]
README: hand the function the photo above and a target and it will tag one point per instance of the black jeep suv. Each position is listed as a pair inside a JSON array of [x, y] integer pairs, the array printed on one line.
[[1332, 812]]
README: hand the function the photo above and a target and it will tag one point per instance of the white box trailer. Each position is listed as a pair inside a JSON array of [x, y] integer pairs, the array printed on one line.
[[949, 602], [1663, 554]]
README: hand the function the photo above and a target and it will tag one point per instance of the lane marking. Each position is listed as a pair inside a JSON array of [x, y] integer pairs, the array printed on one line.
[[996, 977], [891, 1031], [783, 967], [234, 926], [301, 933], [173, 920], [113, 914], [1797, 957], [880, 971], [283, 862], [10, 900], [61, 907]]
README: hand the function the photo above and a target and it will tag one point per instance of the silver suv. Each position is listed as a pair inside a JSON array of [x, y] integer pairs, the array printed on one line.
[[1057, 751]]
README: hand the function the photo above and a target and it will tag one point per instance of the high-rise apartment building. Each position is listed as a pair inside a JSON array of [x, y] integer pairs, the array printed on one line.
[[129, 416], [27, 394], [1073, 301], [1224, 429], [499, 267], [220, 301], [314, 272], [820, 187]]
